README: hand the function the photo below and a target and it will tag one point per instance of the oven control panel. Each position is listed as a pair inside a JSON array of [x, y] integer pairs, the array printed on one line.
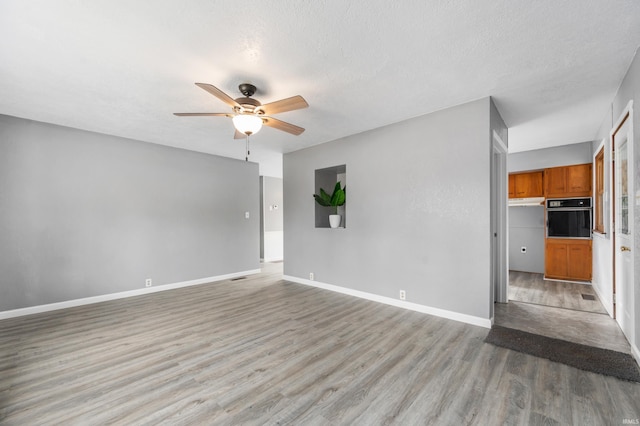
[[574, 203]]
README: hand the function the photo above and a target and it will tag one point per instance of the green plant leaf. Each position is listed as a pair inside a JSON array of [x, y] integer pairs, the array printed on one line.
[[337, 187], [326, 197], [320, 201], [338, 198]]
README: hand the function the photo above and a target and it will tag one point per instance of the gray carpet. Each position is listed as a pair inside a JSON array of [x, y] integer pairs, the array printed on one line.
[[588, 358]]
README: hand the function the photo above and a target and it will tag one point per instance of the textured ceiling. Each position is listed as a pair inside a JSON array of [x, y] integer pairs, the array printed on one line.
[[123, 67]]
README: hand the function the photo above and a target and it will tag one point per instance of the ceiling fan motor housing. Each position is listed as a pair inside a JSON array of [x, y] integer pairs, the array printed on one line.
[[247, 89], [248, 105]]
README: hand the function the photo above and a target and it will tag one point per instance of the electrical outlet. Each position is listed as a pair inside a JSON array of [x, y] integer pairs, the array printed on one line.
[[246, 215], [148, 282], [403, 295], [311, 276], [523, 249]]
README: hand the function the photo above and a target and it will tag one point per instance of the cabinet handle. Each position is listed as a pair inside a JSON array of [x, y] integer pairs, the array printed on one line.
[[624, 248]]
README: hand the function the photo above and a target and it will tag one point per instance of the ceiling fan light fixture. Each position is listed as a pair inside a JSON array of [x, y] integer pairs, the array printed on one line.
[[247, 124]]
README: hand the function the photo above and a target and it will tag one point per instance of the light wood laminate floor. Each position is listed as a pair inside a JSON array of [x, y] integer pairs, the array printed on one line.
[[266, 351], [532, 288], [586, 328]]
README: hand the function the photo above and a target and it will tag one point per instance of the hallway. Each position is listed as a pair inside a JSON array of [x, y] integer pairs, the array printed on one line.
[[558, 309]]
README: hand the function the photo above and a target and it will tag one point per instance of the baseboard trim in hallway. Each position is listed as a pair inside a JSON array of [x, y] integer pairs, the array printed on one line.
[[121, 295], [443, 313]]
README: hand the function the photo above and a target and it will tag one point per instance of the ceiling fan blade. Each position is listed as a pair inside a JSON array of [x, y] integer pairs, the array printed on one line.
[[284, 105], [202, 114], [239, 135], [219, 94], [281, 125]]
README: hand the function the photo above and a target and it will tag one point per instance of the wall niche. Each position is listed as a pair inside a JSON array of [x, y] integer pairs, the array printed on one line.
[[326, 179]]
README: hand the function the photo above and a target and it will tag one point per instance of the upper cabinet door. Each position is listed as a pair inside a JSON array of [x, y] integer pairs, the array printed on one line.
[[555, 182], [525, 185], [529, 185], [512, 186], [568, 181], [579, 179]]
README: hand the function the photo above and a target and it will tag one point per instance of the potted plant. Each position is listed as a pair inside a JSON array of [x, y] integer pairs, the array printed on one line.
[[334, 200]]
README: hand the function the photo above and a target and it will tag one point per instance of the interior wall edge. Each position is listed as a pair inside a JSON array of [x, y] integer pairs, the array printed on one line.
[[30, 310]]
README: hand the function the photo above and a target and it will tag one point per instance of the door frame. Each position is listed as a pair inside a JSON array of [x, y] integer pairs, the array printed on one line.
[[499, 221], [626, 116], [602, 241]]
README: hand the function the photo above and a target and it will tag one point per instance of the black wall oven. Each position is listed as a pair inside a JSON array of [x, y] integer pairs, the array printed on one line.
[[569, 218]]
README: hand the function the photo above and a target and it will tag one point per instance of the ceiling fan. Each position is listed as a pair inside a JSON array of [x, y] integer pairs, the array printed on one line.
[[248, 114]]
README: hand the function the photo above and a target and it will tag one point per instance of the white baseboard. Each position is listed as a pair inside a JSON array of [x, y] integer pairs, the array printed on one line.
[[606, 300], [636, 353], [456, 316], [105, 297]]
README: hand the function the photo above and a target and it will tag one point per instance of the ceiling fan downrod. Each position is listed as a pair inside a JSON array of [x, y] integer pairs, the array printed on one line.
[[246, 158]]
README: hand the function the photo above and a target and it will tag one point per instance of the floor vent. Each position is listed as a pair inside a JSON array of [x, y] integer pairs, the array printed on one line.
[[588, 297], [242, 278]]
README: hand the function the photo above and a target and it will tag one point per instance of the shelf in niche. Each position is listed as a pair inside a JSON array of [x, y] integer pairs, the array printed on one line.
[[326, 179]]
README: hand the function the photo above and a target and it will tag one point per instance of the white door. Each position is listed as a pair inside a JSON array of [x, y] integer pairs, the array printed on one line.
[[624, 205]]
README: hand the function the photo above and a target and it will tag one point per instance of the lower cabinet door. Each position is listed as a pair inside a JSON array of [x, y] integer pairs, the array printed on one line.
[[556, 260], [580, 261], [567, 259]]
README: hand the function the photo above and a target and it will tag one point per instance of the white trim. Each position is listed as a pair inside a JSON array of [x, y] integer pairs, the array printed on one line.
[[607, 302], [503, 146], [627, 110], [456, 316], [121, 295], [635, 352], [501, 173]]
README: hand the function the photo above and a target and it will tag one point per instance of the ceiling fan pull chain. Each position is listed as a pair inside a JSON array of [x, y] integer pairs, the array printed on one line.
[[246, 158]]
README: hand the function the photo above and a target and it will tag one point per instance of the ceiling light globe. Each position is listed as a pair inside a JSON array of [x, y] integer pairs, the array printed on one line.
[[247, 124]]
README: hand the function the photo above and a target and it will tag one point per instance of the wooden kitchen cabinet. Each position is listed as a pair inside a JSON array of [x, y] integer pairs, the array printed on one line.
[[568, 259], [525, 185], [568, 181], [512, 186]]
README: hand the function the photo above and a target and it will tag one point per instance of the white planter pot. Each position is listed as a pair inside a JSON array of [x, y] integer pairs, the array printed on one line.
[[334, 220]]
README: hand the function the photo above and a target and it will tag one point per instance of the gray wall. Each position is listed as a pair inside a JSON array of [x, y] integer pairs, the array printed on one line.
[[497, 125], [273, 197], [526, 229], [261, 188], [565, 155], [85, 214], [419, 211], [271, 222]]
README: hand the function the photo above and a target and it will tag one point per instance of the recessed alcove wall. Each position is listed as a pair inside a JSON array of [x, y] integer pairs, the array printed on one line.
[[326, 179]]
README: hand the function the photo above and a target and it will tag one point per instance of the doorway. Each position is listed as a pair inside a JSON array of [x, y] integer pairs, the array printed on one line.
[[499, 222], [623, 222], [574, 322]]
